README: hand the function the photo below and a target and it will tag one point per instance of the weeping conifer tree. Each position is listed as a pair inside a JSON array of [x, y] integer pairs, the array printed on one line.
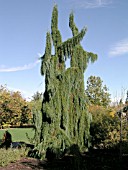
[[65, 117]]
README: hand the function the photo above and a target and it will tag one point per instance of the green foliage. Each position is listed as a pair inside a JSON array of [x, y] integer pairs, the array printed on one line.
[[65, 117], [36, 105], [37, 96], [97, 93], [14, 110], [11, 155], [104, 128]]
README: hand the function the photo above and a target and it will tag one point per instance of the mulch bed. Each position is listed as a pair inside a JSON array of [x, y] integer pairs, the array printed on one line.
[[24, 164], [93, 161]]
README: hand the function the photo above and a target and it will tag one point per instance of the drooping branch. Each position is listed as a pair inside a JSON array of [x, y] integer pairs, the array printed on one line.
[[66, 47], [80, 57], [92, 57]]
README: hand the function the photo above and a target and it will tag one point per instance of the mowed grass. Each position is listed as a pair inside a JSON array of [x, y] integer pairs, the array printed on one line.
[[19, 134]]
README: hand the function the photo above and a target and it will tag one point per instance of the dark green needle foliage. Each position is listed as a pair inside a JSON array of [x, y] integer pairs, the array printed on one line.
[[65, 117]]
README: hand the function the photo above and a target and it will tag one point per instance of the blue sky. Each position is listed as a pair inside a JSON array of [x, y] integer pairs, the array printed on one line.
[[24, 24]]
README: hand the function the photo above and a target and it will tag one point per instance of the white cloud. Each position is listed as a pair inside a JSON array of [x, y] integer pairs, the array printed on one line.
[[91, 3], [19, 68], [40, 55], [119, 48]]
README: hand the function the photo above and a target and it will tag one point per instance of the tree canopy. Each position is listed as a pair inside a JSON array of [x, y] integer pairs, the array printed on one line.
[[14, 109], [96, 92]]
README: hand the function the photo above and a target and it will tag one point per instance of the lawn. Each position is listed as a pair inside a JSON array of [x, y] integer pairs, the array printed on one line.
[[19, 134]]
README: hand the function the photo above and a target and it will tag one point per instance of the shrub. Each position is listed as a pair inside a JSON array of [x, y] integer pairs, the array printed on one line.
[[11, 155]]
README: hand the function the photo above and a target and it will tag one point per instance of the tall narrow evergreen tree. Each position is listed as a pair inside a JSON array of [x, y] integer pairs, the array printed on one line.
[[65, 117]]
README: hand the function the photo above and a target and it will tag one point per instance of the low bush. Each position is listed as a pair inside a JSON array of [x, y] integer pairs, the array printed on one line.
[[11, 155]]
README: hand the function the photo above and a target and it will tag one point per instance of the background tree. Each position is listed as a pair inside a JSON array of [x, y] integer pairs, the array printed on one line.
[[105, 126], [96, 92], [14, 110], [65, 118], [37, 96]]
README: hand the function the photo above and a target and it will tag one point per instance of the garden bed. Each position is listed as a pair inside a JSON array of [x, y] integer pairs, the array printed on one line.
[[97, 161]]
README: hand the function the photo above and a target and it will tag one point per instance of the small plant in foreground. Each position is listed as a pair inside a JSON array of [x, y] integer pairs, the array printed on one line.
[[11, 155]]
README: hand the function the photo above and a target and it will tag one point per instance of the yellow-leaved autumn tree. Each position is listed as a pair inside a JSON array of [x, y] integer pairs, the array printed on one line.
[[14, 109]]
